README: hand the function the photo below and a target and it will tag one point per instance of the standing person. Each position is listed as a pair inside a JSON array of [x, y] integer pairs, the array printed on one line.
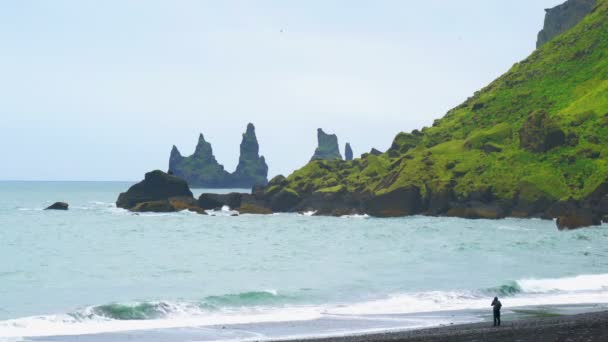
[[497, 305]]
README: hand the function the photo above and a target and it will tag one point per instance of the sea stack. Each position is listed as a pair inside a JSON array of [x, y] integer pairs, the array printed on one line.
[[252, 169], [348, 152], [563, 17], [327, 148], [201, 169]]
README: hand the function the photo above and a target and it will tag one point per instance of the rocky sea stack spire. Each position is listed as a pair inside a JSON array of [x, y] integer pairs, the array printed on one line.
[[328, 148], [561, 18], [252, 169], [348, 152], [201, 169]]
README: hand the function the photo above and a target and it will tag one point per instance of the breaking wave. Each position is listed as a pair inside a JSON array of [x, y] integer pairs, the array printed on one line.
[[272, 306]]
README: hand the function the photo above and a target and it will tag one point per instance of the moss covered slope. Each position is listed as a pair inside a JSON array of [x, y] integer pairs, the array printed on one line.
[[538, 131]]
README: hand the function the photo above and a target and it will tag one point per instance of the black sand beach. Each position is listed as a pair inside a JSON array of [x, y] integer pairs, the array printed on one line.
[[581, 327]]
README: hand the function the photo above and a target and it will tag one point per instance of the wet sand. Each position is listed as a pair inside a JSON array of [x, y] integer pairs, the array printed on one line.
[[580, 327]]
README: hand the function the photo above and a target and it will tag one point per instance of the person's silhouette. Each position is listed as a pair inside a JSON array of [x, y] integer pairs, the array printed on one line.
[[497, 305]]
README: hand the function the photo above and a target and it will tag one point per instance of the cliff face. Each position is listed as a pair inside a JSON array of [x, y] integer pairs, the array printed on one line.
[[202, 170], [533, 143], [561, 18], [252, 168], [327, 148]]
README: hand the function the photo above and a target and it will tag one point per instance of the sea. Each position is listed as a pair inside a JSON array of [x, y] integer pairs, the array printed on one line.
[[100, 273]]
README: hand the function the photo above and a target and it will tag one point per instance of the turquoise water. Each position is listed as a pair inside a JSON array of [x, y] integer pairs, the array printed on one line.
[[98, 269]]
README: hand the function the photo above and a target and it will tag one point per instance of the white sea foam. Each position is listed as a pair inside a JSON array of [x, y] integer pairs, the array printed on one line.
[[53, 325], [571, 284], [359, 216], [583, 289]]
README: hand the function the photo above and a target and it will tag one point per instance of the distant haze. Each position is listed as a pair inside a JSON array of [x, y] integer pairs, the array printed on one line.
[[101, 90]]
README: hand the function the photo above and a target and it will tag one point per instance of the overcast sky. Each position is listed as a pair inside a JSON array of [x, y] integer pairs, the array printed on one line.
[[101, 90]]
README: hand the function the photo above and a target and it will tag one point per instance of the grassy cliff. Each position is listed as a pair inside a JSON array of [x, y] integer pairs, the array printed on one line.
[[538, 131]]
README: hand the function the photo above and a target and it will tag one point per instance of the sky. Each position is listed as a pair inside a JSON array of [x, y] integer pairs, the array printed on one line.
[[101, 90]]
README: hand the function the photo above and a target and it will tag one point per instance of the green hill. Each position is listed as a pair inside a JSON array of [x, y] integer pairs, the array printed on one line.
[[532, 139]]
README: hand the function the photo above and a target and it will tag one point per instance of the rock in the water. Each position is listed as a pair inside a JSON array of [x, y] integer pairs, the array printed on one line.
[[253, 209], [217, 201], [348, 152], [156, 186], [562, 18], [201, 169], [153, 206], [577, 218], [327, 148], [252, 169], [186, 203], [58, 206]]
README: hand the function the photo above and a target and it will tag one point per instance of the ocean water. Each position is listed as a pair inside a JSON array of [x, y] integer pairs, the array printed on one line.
[[101, 273]]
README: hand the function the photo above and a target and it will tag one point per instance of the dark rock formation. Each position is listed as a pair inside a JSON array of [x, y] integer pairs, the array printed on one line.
[[399, 202], [58, 206], [327, 148], [241, 202], [562, 18], [577, 218], [285, 200], [156, 186], [540, 133], [217, 201], [186, 203], [162, 206], [348, 152], [252, 169], [201, 169]]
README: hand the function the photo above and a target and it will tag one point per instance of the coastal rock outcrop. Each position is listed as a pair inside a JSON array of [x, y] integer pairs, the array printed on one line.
[[348, 152], [57, 206], [241, 202], [563, 17], [573, 218], [252, 169], [327, 148], [202, 170], [156, 186]]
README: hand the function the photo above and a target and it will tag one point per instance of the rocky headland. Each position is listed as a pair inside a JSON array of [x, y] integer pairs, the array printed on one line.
[[531, 144], [202, 170]]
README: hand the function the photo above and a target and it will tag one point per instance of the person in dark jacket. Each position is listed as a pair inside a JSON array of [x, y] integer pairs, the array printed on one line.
[[497, 305]]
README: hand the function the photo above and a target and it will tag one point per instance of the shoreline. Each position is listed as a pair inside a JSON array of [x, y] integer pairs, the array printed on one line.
[[591, 326], [533, 323]]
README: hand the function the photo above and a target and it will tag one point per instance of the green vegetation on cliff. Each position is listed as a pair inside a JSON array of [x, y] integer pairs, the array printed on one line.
[[538, 131]]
